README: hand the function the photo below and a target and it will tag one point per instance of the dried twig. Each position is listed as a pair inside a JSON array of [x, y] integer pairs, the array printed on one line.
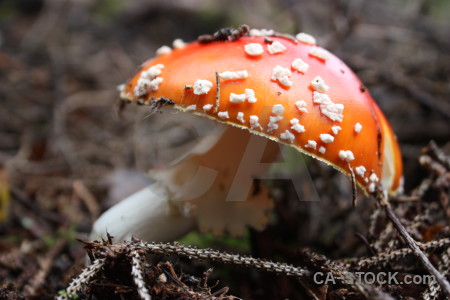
[[137, 262], [434, 151], [381, 197], [81, 190], [386, 257], [83, 279], [222, 257], [434, 289], [216, 106], [136, 250]]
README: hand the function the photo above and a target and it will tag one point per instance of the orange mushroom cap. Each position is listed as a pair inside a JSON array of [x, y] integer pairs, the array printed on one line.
[[286, 89]]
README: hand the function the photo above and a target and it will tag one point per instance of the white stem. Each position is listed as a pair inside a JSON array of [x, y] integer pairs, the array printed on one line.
[[212, 187], [147, 214]]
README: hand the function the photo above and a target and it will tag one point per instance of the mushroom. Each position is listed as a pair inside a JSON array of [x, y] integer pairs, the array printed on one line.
[[266, 89]]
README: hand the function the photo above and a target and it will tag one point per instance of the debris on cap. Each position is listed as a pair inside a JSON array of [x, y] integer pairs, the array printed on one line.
[[163, 50], [229, 75], [319, 53], [254, 49], [276, 47], [306, 38], [299, 65], [282, 75], [178, 44], [237, 98], [202, 87], [319, 84]]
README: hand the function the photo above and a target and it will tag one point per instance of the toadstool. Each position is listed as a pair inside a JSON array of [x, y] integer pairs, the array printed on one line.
[[275, 88]]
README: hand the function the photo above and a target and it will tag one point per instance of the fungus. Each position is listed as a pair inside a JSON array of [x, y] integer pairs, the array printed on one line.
[[207, 188]]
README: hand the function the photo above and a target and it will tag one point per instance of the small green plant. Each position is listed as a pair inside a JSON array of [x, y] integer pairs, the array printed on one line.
[[67, 295]]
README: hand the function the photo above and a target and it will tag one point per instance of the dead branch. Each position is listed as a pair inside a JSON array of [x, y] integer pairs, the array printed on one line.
[[382, 200]]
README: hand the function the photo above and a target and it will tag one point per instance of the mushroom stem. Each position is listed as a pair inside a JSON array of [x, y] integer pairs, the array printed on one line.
[[211, 187], [146, 214]]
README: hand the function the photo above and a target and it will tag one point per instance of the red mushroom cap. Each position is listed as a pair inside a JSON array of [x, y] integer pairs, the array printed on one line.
[[285, 89]]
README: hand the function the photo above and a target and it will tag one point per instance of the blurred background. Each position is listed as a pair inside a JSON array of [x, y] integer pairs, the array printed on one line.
[[65, 155]]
